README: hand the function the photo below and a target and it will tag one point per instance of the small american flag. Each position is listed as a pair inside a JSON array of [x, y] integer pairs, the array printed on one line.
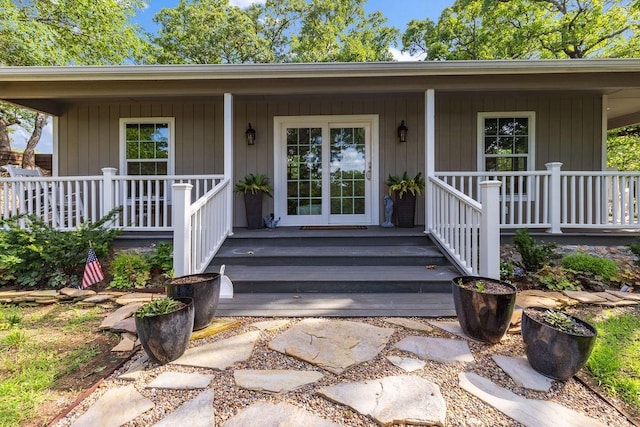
[[92, 270]]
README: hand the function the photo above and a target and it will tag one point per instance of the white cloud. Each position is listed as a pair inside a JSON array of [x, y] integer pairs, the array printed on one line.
[[245, 3], [398, 55]]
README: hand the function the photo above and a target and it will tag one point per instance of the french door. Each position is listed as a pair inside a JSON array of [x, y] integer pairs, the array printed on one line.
[[325, 171]]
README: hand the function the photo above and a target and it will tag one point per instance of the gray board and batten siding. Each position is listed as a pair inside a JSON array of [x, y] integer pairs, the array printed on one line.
[[568, 129]]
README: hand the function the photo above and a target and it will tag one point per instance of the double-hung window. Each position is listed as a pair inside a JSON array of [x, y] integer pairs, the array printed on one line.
[[146, 146], [506, 141]]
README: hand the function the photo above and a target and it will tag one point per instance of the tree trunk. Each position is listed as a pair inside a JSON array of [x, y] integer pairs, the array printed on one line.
[[5, 140], [29, 156]]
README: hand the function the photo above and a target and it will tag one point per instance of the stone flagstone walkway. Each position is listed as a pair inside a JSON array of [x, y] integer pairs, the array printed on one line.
[[331, 372]]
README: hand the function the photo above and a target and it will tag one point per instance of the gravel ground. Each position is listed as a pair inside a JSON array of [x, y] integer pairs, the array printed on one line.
[[463, 409]]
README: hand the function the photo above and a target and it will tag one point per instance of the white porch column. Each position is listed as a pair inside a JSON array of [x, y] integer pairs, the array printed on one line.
[[228, 157], [555, 202], [429, 154], [108, 201], [181, 229], [490, 229]]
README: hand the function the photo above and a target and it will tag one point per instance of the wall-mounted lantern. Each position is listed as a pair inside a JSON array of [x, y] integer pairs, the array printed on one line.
[[402, 132], [250, 135]]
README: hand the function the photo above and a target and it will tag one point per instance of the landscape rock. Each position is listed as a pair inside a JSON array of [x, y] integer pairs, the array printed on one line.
[[274, 381], [108, 410], [220, 354], [519, 369], [137, 367], [180, 381], [392, 400], [414, 325], [77, 293], [97, 299], [281, 415], [334, 345], [127, 343], [271, 325], [118, 315], [407, 364], [137, 297], [125, 325], [197, 412], [438, 349]]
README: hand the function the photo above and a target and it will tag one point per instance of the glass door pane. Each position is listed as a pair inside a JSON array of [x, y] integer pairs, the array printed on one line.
[[348, 166], [304, 171]]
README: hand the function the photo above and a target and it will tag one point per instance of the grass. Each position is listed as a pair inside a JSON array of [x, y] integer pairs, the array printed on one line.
[[615, 361], [37, 350]]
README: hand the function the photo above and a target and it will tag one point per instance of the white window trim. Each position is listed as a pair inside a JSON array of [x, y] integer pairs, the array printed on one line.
[[531, 115], [144, 120]]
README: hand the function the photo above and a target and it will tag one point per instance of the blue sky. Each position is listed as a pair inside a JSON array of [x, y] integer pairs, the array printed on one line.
[[398, 12]]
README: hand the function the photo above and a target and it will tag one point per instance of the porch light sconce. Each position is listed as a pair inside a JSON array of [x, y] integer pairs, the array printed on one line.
[[251, 135], [402, 132]]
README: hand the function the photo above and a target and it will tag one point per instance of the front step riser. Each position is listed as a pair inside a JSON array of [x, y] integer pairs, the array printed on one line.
[[233, 242], [332, 261], [342, 287]]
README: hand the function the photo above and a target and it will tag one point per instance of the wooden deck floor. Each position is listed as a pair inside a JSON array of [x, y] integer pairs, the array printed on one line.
[[338, 305]]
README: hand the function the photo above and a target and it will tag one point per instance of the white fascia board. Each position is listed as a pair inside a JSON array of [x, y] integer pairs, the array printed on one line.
[[316, 70]]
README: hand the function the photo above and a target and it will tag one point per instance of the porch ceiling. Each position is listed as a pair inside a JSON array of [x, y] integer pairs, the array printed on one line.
[[49, 88]]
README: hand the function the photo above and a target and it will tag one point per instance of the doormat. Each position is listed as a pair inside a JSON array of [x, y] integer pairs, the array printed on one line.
[[333, 227]]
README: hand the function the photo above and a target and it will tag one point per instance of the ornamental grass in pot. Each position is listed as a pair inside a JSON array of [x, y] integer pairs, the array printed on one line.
[[164, 327], [204, 288], [484, 306], [557, 344]]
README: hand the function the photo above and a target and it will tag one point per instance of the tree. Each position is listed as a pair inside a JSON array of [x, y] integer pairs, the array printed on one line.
[[622, 148], [213, 32], [64, 32], [509, 29]]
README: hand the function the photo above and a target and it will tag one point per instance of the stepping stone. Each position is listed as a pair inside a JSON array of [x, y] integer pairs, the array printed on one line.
[[197, 412], [270, 325], [45, 301], [535, 297], [118, 315], [214, 328], [220, 354], [414, 325], [453, 327], [126, 325], [116, 407], [519, 369], [274, 381], [392, 400], [334, 345], [14, 294], [137, 297], [97, 299], [585, 297], [437, 349], [406, 363], [45, 294], [633, 296], [530, 412], [77, 293], [127, 343], [614, 301], [135, 370], [181, 381], [281, 414]]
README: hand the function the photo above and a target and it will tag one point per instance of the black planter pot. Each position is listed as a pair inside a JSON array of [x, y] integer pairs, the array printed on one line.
[[204, 289], [554, 353], [484, 316], [405, 209], [165, 337], [253, 209]]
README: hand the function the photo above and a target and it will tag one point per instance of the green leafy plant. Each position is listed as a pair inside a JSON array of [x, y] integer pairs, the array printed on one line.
[[533, 255], [38, 254], [253, 183], [635, 249], [506, 271], [603, 268], [557, 278], [159, 306], [161, 259], [404, 184], [560, 321], [130, 270]]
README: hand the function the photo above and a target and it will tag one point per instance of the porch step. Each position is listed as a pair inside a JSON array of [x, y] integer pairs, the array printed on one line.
[[290, 260]]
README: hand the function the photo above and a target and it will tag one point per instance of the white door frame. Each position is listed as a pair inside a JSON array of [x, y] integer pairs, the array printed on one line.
[[280, 189]]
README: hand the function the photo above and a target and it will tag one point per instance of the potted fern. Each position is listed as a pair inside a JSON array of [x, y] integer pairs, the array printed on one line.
[[254, 187], [484, 306], [404, 189], [164, 327], [557, 344]]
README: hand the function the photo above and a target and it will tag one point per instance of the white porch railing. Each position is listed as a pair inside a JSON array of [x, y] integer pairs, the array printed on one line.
[[554, 199], [200, 227], [466, 229]]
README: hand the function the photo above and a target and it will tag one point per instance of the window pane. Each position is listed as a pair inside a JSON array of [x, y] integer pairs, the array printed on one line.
[[491, 145], [521, 145], [147, 150], [146, 131], [506, 126], [162, 150], [521, 125], [490, 127], [132, 150], [505, 145], [133, 168]]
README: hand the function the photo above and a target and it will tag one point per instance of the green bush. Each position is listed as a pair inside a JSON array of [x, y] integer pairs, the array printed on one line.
[[557, 279], [603, 268], [533, 255], [38, 254], [130, 270], [161, 259]]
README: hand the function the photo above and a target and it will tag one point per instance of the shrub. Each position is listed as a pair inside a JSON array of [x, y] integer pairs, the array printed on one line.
[[506, 271], [161, 259], [533, 255], [557, 279], [129, 270], [603, 268], [39, 254]]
